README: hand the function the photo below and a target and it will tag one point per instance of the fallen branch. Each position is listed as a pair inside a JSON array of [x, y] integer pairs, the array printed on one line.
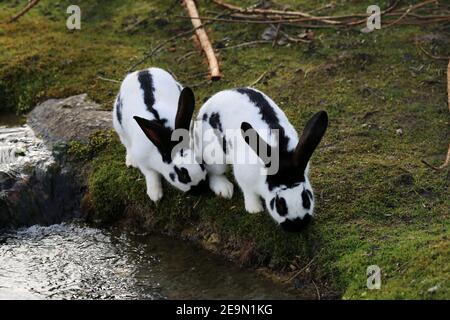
[[30, 5], [271, 16], [203, 39], [271, 11], [447, 158]]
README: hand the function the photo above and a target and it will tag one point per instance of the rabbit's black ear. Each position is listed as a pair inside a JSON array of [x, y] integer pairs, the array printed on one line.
[[158, 134], [310, 139], [186, 106], [261, 147]]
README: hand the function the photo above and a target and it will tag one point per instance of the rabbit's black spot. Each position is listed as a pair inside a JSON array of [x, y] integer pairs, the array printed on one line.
[[172, 176], [146, 80], [214, 121], [268, 114], [119, 105], [297, 224], [287, 175], [306, 199], [183, 175], [205, 117], [272, 203], [281, 206]]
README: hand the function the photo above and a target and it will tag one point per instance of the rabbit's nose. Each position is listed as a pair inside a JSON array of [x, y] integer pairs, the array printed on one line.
[[296, 225], [199, 189]]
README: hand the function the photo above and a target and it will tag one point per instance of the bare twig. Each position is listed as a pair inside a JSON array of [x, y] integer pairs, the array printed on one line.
[[267, 16], [244, 44], [429, 165], [109, 80], [203, 39], [447, 159], [301, 270], [270, 11], [317, 290], [30, 5], [448, 84], [410, 9], [434, 57], [277, 32], [186, 56], [259, 78]]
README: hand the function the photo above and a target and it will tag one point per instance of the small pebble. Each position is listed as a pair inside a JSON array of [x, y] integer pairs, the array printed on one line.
[[399, 131]]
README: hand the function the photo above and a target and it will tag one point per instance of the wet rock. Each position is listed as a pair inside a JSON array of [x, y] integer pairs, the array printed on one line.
[[63, 120], [38, 185]]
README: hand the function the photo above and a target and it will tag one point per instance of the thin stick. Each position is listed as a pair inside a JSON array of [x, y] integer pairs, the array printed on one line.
[[203, 39], [447, 159], [437, 58], [270, 11], [277, 32], [259, 78], [317, 290], [109, 80], [301, 270], [429, 165], [244, 44], [30, 5], [411, 8], [448, 84]]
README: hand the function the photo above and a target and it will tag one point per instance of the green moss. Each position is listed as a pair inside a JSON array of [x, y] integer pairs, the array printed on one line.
[[98, 141], [377, 204]]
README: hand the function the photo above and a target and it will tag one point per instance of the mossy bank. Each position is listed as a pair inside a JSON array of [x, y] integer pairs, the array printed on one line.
[[377, 203]]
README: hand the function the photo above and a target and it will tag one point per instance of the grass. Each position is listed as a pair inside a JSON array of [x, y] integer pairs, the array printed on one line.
[[377, 203]]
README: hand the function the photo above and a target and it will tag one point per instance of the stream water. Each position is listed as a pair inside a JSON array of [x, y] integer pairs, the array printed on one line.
[[73, 261]]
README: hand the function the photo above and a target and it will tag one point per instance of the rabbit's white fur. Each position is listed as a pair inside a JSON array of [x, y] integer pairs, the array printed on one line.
[[164, 91], [288, 202]]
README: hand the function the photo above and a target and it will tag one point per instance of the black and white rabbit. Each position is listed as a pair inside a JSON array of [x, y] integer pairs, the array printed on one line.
[[288, 194], [150, 105]]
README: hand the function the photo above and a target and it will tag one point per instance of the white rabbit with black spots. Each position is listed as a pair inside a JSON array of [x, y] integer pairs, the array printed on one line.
[[151, 104], [287, 194]]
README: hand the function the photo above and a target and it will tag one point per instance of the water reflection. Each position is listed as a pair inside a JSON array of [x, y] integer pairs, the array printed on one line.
[[71, 261]]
